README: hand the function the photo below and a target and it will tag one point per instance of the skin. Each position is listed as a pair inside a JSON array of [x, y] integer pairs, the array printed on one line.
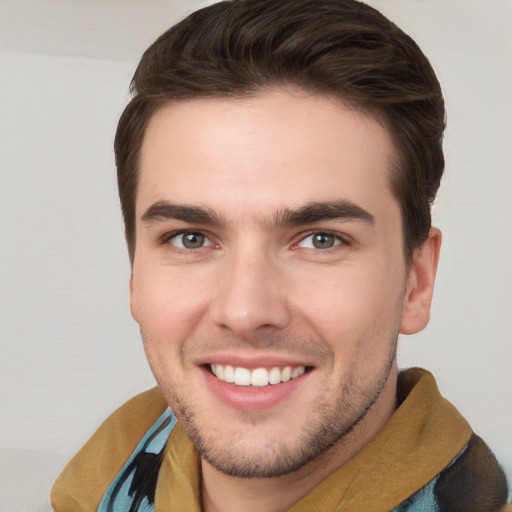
[[254, 290]]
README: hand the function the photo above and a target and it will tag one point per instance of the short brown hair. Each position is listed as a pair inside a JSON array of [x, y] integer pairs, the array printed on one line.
[[334, 47]]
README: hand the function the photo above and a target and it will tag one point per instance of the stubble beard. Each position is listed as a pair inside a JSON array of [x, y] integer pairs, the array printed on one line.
[[327, 426]]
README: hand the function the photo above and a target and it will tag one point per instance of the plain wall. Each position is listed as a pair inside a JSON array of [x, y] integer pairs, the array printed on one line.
[[70, 352]]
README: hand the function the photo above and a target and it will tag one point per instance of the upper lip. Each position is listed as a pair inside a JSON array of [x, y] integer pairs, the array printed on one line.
[[252, 361]]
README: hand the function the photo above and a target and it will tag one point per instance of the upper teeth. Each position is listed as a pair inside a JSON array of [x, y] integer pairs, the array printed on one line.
[[257, 377]]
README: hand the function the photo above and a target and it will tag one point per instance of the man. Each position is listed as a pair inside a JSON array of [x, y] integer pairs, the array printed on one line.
[[276, 167]]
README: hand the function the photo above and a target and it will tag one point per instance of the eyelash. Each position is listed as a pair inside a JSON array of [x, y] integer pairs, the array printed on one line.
[[338, 240], [167, 237]]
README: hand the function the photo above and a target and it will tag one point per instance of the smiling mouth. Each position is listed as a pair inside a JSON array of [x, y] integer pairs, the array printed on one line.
[[258, 377]]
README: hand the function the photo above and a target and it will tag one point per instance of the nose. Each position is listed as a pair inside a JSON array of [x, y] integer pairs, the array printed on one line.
[[251, 296]]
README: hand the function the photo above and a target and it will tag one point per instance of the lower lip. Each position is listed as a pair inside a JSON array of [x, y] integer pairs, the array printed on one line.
[[252, 398]]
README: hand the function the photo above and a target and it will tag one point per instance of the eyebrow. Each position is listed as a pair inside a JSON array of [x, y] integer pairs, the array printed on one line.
[[163, 210], [310, 213]]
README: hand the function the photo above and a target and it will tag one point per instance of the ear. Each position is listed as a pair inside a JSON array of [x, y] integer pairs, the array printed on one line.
[[420, 284], [133, 300]]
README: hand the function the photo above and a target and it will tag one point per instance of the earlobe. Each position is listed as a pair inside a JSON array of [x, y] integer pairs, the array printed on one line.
[[420, 284], [133, 301]]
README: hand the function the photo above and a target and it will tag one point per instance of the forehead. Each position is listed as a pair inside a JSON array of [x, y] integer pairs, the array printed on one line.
[[278, 149]]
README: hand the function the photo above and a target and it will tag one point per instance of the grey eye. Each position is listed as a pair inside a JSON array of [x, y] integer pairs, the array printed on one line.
[[189, 240], [320, 241], [323, 241], [193, 240]]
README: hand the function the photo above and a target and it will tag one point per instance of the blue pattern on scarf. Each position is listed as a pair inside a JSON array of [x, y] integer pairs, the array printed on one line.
[[134, 487], [133, 490]]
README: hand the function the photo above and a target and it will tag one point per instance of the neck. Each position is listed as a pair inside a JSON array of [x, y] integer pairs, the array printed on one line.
[[222, 493]]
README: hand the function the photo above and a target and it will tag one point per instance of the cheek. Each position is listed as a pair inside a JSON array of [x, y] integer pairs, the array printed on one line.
[[167, 305], [352, 309]]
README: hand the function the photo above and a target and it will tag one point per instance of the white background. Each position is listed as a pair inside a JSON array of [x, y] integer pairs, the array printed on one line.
[[70, 352]]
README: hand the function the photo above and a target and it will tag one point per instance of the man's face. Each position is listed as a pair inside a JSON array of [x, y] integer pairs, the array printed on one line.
[[268, 252]]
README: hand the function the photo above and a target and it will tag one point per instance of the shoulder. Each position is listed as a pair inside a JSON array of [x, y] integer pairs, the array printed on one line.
[[475, 481], [85, 479]]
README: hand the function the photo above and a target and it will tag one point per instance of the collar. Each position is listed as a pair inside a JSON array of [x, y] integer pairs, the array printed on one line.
[[422, 437]]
